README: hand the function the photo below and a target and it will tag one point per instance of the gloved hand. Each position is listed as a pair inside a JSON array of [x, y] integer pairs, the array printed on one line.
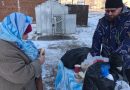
[[116, 61]]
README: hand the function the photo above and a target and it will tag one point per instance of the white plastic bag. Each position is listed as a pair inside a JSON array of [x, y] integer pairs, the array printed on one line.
[[91, 60], [122, 85]]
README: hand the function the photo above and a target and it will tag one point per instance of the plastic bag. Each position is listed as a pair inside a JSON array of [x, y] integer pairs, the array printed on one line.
[[74, 56], [90, 60], [65, 79], [94, 80], [122, 85]]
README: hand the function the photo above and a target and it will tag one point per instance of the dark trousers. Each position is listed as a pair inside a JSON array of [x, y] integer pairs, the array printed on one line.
[[127, 72]]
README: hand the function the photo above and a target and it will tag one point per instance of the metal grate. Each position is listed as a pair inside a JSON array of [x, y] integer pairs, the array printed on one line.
[[58, 23]]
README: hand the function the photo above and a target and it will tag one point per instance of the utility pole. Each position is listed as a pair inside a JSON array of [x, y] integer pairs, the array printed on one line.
[[18, 3]]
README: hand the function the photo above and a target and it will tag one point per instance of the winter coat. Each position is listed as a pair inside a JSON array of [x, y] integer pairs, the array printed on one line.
[[17, 72], [111, 37]]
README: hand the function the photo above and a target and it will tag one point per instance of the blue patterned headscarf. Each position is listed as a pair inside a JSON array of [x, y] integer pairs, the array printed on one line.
[[12, 29]]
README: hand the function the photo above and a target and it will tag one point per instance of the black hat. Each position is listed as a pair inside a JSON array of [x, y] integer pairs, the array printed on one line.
[[113, 3]]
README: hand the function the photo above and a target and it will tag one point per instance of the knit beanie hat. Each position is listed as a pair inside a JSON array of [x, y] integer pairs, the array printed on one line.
[[28, 30], [113, 3]]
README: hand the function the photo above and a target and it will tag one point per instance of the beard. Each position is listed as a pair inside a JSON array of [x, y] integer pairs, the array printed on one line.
[[111, 18]]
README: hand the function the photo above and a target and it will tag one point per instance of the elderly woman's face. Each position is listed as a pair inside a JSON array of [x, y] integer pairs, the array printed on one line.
[[25, 36]]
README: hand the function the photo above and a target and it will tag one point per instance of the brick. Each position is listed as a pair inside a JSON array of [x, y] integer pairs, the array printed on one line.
[[26, 6]]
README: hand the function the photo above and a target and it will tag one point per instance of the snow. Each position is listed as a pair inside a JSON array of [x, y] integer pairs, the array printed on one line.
[[56, 48]]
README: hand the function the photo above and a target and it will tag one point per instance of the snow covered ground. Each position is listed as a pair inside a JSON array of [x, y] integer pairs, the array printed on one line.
[[56, 48]]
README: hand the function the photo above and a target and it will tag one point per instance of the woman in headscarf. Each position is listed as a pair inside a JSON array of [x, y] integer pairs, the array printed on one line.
[[20, 62]]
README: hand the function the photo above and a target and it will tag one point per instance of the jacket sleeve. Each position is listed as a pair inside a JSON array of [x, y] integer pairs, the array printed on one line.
[[14, 69], [124, 47], [97, 40]]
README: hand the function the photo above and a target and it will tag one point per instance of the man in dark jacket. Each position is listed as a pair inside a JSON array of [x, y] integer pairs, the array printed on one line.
[[112, 34]]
